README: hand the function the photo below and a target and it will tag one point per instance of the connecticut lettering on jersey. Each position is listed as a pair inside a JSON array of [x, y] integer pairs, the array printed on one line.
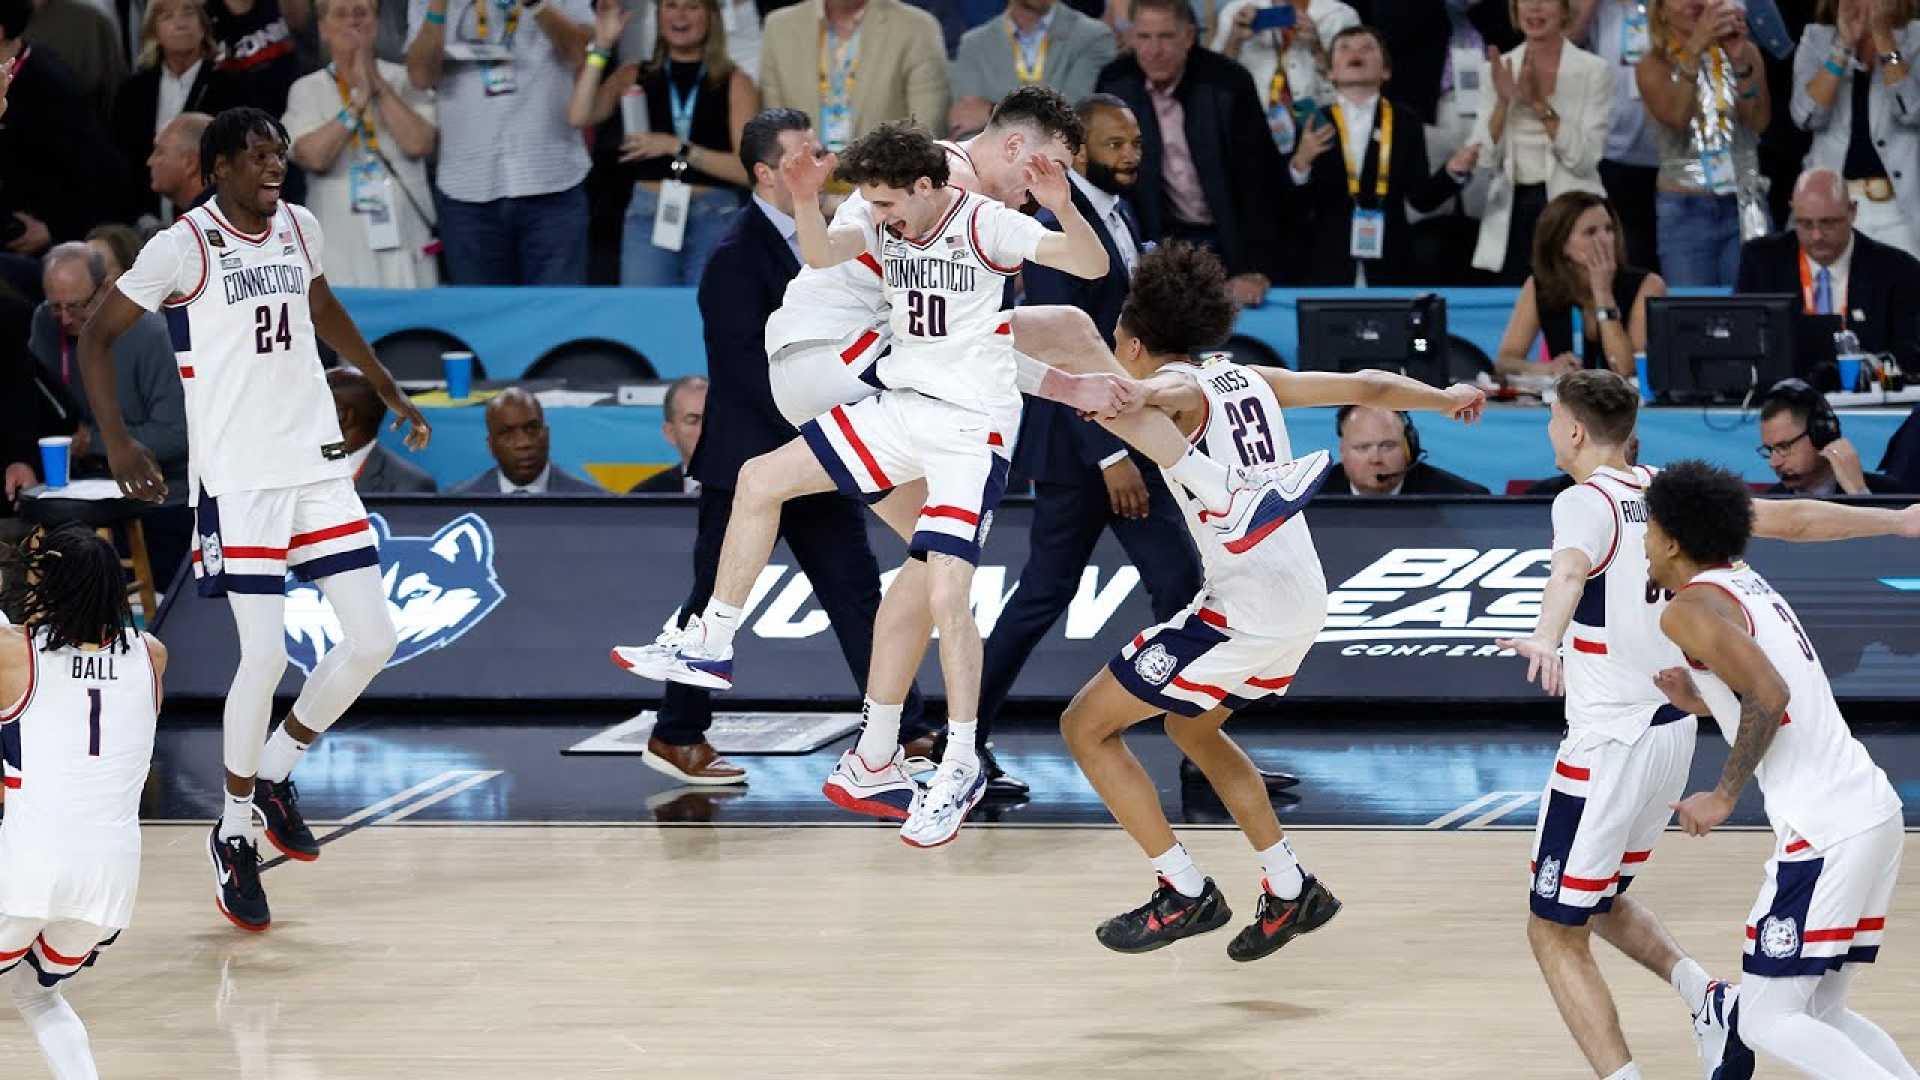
[[910, 269], [257, 281]]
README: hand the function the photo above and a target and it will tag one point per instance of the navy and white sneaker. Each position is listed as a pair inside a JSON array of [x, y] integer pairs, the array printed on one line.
[[236, 881], [888, 792], [1716, 1035], [286, 827], [1271, 495], [957, 787], [681, 656]]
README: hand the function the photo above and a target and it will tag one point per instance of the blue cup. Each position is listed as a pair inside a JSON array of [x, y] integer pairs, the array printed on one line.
[[55, 452], [459, 369], [1646, 380], [1849, 374]]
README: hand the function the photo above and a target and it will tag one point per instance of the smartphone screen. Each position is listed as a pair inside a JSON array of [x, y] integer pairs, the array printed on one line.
[[1274, 18]]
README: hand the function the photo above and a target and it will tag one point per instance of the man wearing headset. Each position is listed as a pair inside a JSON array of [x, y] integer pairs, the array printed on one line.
[[1800, 438], [1380, 455]]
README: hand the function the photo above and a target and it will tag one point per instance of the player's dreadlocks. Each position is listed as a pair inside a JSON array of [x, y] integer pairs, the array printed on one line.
[[65, 585]]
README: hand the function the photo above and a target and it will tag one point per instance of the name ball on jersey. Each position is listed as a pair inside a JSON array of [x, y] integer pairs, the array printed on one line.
[[93, 667]]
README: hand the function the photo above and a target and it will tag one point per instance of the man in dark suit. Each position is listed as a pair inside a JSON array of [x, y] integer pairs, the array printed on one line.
[[1841, 276], [1209, 171], [518, 439], [685, 414], [377, 471], [743, 284], [1336, 202], [1380, 455]]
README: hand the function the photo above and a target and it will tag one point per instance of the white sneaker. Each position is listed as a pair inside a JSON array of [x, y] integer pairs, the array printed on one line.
[[888, 792], [1268, 496], [1716, 1035], [681, 656], [956, 789]]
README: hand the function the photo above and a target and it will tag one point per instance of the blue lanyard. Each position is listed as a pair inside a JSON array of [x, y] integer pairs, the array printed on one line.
[[683, 110]]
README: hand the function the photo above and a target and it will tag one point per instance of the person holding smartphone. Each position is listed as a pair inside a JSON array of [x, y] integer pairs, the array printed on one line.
[[1283, 45]]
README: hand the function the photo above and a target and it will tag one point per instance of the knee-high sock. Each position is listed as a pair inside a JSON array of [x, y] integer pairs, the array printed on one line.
[[57, 1028], [1830, 1006], [262, 625], [1776, 1019], [367, 641]]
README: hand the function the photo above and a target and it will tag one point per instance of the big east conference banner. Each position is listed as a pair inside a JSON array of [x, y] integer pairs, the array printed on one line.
[[503, 599]]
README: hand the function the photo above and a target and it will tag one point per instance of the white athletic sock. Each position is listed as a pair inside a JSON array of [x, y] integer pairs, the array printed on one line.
[[1285, 879], [1690, 980], [961, 735], [282, 755], [56, 1027], [1629, 1071], [1176, 867], [1205, 477], [879, 735], [236, 819], [722, 622]]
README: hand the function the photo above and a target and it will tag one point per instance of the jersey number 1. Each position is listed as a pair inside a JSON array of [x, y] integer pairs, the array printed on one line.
[[265, 335], [93, 721], [926, 314]]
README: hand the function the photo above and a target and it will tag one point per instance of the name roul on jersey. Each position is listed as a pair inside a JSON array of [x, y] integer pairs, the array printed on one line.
[[271, 279]]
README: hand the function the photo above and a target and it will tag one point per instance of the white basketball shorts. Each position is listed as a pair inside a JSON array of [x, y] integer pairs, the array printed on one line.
[[246, 541], [57, 949], [1194, 662], [1819, 910], [810, 377]]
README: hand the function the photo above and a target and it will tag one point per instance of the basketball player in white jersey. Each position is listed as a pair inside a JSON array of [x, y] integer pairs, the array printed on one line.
[[1627, 751], [1837, 822], [79, 697], [1243, 637], [242, 286]]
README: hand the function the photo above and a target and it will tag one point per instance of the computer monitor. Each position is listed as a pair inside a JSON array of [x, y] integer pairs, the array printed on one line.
[[1405, 334], [1719, 348]]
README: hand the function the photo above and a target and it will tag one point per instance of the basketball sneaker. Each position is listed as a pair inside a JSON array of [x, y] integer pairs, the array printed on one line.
[[236, 876], [279, 805], [1267, 497], [1165, 918], [681, 656], [1716, 1035], [887, 792], [957, 787], [1278, 921]]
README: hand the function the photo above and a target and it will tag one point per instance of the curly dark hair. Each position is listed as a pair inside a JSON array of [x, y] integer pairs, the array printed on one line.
[[228, 134], [1043, 108], [1705, 508], [1602, 402], [65, 584], [1178, 303], [894, 155]]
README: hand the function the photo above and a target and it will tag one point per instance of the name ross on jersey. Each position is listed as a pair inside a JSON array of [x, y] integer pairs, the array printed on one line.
[[94, 667], [268, 280]]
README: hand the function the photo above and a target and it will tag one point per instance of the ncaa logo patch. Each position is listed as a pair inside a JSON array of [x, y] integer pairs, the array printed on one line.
[[1155, 664], [438, 588], [1546, 883], [1779, 937]]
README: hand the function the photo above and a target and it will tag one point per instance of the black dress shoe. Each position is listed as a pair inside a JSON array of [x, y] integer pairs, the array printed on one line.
[[1275, 781], [1000, 785]]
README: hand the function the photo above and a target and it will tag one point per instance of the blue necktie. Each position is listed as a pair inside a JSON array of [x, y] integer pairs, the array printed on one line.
[[1823, 292]]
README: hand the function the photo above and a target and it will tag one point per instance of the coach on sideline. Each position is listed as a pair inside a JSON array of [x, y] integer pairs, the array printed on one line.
[[743, 285]]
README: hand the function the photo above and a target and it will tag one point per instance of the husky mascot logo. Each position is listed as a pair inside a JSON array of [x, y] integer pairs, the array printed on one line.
[[1779, 937], [438, 588], [1546, 884], [1155, 664]]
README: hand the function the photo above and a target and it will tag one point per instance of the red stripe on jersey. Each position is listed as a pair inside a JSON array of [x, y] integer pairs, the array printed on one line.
[[860, 448], [1736, 600], [1633, 857], [954, 512], [1200, 688], [1572, 772], [323, 535], [206, 271], [64, 961], [1271, 684], [253, 553], [9, 957], [33, 674], [994, 439], [1139, 640], [1598, 648], [256, 241], [14, 783], [867, 260], [854, 351], [1585, 884], [1798, 845], [302, 237], [973, 237], [1211, 617], [1844, 933], [1613, 548], [186, 372], [1004, 328], [952, 212], [1868, 926]]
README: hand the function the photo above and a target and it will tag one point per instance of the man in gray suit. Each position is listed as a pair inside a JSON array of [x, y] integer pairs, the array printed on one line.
[[376, 469], [1036, 41], [518, 438]]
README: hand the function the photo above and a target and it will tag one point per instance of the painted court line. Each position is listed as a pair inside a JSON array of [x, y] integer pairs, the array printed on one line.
[[473, 780], [1452, 816], [1518, 802]]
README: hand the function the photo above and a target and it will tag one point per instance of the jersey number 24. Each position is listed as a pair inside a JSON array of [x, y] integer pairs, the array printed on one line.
[[269, 333]]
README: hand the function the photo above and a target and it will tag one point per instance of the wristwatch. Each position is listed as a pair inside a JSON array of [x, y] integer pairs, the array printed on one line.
[[1890, 59], [1606, 314]]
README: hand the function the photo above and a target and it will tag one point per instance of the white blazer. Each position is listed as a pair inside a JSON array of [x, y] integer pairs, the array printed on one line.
[[1583, 96], [1893, 115]]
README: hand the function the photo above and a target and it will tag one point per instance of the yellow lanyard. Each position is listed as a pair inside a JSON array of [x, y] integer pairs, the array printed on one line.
[[369, 138], [1356, 156], [839, 61], [1277, 92], [480, 21], [1020, 70]]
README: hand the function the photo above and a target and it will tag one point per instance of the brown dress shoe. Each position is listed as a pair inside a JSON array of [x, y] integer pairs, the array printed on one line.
[[921, 747], [696, 764]]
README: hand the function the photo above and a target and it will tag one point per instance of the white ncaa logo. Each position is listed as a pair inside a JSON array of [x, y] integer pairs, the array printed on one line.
[[1779, 937], [210, 554], [1547, 882], [1155, 664]]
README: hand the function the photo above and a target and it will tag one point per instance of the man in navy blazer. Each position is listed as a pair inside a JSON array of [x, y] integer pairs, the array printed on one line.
[[744, 283]]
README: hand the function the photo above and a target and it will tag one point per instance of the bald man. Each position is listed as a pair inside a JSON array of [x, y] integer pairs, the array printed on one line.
[[517, 437], [1842, 277], [173, 169]]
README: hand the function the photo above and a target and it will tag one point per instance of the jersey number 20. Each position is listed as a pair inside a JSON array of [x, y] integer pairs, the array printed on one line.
[[1251, 435], [266, 334], [926, 314]]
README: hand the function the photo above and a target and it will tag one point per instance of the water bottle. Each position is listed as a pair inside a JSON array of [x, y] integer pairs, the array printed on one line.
[[633, 111]]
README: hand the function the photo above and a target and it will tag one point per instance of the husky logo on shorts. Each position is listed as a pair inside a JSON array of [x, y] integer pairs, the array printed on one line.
[[438, 588], [1155, 664], [1546, 883], [210, 555], [1779, 937]]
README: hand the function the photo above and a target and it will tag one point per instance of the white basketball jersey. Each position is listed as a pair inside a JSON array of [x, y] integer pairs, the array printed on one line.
[[1614, 646], [259, 414], [1819, 782], [1276, 589], [829, 304], [947, 291]]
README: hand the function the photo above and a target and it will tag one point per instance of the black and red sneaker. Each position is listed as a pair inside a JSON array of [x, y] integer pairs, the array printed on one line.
[[1165, 919], [286, 829], [1279, 921], [236, 887]]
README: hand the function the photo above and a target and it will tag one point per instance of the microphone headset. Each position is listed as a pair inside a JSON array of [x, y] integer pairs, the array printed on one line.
[[1408, 431], [1823, 424]]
